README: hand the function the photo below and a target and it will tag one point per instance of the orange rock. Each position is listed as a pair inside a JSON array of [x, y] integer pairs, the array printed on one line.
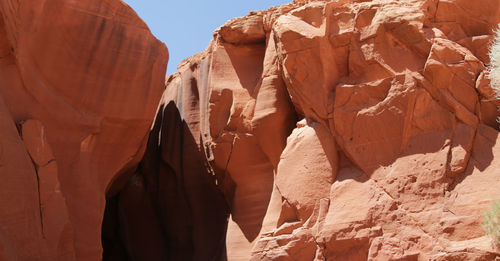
[[215, 94], [392, 107], [318, 130], [311, 158], [391, 116], [82, 80]]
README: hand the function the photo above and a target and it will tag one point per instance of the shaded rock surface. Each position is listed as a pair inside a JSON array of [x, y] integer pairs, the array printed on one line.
[[81, 81]]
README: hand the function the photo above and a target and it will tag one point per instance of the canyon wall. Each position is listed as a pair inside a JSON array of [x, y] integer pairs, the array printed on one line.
[[345, 130], [80, 82], [317, 130]]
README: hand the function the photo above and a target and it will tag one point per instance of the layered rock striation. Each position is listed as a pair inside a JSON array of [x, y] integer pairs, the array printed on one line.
[[79, 86], [344, 130], [318, 130]]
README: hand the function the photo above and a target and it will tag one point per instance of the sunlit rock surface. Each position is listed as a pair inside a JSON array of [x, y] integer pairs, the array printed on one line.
[[348, 130]]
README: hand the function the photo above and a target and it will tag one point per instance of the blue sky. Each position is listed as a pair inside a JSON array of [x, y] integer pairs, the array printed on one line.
[[186, 26]]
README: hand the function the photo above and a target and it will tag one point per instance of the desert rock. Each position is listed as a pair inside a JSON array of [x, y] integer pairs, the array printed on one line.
[[348, 130], [317, 130], [79, 82]]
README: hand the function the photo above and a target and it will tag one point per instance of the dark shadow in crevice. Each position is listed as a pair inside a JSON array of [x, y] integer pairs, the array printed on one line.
[[112, 244], [169, 206]]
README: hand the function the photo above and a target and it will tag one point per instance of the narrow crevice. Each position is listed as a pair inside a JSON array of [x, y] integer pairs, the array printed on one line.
[[39, 201], [48, 162], [435, 13], [229, 156], [321, 247], [37, 177], [169, 208]]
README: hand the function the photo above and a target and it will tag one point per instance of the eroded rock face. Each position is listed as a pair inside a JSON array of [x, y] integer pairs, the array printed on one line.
[[348, 130], [81, 81], [318, 130]]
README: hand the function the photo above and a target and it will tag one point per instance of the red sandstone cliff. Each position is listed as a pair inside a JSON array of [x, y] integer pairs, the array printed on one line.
[[347, 130], [81, 81]]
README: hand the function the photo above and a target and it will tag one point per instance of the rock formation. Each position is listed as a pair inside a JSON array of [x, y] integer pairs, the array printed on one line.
[[81, 81], [343, 130], [318, 130]]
